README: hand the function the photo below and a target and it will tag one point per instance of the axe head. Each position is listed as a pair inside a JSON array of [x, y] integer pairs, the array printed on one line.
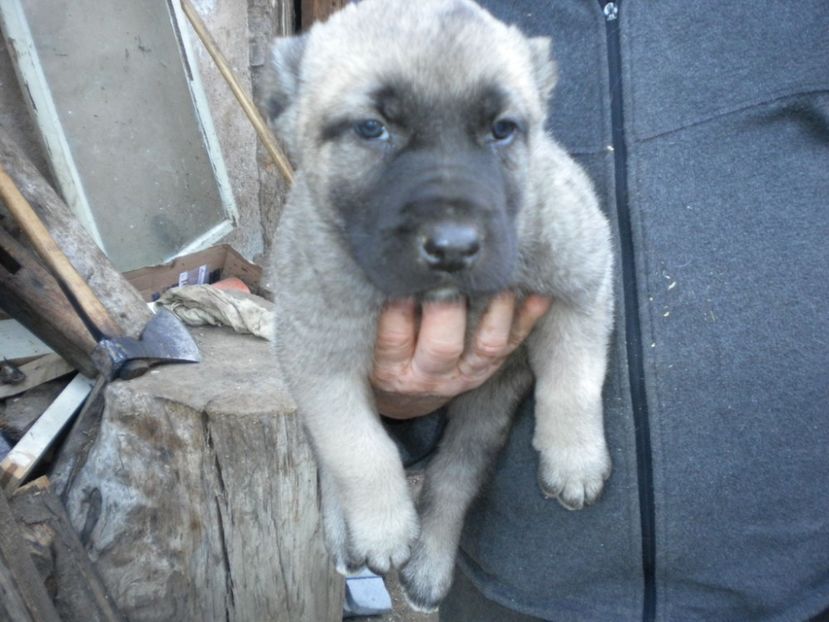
[[164, 340]]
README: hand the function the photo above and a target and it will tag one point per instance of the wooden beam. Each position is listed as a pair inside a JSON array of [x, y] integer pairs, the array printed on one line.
[[27, 453], [30, 294], [23, 597], [318, 10], [39, 371]]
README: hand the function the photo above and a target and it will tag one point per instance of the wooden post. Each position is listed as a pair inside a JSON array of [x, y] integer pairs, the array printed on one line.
[[199, 498], [318, 10]]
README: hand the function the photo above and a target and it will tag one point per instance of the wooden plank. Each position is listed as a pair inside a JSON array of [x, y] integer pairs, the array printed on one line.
[[24, 596], [117, 295], [318, 10], [33, 297], [79, 593], [41, 370], [27, 453], [17, 342], [52, 255]]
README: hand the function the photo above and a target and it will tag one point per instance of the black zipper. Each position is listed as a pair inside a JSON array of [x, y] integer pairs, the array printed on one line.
[[633, 329]]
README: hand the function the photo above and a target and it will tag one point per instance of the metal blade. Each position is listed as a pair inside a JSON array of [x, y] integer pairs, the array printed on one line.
[[164, 340]]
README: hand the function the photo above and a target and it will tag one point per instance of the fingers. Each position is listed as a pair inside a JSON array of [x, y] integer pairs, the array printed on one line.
[[396, 334], [441, 339], [531, 311], [492, 339], [417, 369]]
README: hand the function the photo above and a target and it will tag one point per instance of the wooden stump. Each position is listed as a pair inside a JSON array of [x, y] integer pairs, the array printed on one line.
[[199, 498]]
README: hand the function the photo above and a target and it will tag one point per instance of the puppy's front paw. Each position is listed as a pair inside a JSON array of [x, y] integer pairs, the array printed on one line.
[[336, 537], [574, 476], [382, 537], [427, 577]]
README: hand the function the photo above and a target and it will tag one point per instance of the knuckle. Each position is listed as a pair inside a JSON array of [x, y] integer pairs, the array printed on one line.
[[444, 351], [476, 369], [392, 341], [491, 347], [387, 379]]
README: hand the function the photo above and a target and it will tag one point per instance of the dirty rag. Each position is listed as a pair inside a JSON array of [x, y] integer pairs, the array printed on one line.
[[197, 305]]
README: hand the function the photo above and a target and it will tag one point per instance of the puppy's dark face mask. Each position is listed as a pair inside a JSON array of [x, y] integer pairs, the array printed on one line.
[[427, 189]]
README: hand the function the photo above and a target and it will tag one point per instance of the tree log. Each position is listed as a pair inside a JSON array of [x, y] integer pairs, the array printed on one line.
[[76, 589], [119, 297], [199, 497]]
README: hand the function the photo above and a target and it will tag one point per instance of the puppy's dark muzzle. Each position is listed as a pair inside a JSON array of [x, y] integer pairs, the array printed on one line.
[[449, 246]]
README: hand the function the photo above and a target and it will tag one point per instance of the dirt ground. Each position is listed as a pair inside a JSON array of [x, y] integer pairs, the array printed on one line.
[[401, 612]]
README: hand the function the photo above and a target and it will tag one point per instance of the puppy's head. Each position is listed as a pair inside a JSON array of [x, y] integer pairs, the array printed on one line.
[[413, 124]]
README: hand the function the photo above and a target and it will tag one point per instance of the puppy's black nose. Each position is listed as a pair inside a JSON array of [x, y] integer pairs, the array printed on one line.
[[450, 246]]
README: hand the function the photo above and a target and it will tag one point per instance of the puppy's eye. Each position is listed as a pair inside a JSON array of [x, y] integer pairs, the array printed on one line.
[[371, 129], [504, 130]]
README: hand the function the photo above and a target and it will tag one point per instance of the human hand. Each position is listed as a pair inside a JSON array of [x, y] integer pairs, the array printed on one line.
[[418, 371]]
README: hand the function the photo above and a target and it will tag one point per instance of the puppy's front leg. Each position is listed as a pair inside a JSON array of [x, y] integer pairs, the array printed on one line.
[[362, 469], [478, 425], [568, 354]]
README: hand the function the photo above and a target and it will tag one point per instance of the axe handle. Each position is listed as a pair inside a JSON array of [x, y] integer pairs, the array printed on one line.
[[31, 295], [54, 257]]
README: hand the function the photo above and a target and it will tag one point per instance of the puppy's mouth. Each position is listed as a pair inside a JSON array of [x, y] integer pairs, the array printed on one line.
[[442, 294]]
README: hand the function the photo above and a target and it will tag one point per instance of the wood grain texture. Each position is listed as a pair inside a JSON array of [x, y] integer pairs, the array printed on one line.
[[30, 294], [207, 494], [39, 371], [318, 10], [52, 255], [30, 449], [24, 597], [77, 590], [117, 295], [266, 20]]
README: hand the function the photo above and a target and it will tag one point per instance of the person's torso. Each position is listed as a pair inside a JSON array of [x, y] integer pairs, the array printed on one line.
[[705, 127]]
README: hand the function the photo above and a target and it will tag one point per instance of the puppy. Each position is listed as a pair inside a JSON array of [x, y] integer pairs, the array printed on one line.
[[424, 170]]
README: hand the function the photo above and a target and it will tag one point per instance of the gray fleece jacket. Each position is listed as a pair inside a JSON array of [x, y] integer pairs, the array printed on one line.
[[705, 127]]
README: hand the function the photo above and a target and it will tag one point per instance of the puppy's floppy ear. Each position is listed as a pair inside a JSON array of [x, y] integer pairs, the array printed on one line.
[[544, 69], [280, 87], [282, 82]]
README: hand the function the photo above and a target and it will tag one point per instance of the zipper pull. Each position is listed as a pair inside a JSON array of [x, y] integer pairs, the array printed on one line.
[[611, 11]]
